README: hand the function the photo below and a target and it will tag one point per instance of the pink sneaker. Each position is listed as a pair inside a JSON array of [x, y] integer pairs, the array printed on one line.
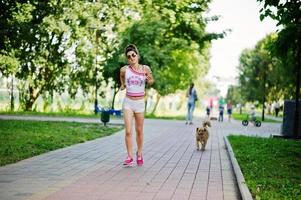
[[128, 161], [139, 160]]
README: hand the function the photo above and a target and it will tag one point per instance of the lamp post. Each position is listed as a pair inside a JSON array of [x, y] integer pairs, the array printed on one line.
[[96, 79], [98, 33], [263, 96]]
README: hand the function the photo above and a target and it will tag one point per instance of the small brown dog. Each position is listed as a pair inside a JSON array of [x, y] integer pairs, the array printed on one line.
[[202, 135]]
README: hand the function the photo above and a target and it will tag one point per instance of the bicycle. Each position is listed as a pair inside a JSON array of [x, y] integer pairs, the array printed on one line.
[[253, 120]]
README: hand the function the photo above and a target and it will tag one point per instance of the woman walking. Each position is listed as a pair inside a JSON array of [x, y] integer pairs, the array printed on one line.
[[133, 78], [192, 98]]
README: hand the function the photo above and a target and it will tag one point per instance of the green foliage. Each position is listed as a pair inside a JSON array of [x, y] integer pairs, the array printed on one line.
[[172, 40], [270, 166], [211, 89], [24, 139], [234, 95], [38, 47], [270, 68], [61, 45], [39, 37], [8, 64], [261, 73], [287, 46]]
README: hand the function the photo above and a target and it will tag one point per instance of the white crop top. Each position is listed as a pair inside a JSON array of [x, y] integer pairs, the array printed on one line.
[[135, 82]]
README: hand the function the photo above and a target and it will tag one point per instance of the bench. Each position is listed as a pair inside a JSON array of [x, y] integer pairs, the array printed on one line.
[[117, 113]]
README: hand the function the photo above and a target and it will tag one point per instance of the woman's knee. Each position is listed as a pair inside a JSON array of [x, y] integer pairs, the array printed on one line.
[[139, 131], [128, 133]]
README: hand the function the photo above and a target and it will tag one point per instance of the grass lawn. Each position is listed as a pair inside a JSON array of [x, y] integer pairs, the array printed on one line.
[[24, 139], [55, 114], [150, 116], [243, 116], [271, 167]]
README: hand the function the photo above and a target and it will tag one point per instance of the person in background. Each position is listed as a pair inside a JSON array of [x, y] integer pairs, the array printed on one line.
[[208, 112], [229, 110], [192, 98], [221, 113], [277, 108], [133, 78], [211, 104]]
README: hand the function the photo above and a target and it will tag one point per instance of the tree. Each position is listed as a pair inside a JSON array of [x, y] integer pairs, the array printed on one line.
[[37, 47], [234, 95], [34, 36], [259, 73], [288, 44], [40, 37]]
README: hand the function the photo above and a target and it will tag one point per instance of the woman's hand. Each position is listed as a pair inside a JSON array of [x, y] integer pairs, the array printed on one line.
[[149, 77], [122, 87]]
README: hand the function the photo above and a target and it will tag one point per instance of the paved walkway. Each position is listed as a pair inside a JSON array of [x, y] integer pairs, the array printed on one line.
[[173, 168]]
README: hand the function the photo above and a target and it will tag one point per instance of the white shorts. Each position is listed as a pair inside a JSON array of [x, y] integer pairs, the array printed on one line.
[[137, 106]]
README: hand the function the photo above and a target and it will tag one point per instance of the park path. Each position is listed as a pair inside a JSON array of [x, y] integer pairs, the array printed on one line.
[[173, 168]]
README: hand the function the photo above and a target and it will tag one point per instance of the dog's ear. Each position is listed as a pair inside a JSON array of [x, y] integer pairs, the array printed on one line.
[[208, 123], [197, 129]]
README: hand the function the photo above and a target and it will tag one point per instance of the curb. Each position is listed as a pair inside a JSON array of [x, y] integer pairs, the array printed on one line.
[[243, 188]]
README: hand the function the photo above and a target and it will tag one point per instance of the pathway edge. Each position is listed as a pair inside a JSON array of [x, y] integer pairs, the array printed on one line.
[[242, 186]]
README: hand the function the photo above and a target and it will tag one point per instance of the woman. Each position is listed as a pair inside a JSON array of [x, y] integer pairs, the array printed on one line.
[[192, 97], [133, 78]]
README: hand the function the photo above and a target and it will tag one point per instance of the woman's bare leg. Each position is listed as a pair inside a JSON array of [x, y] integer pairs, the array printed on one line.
[[128, 117], [139, 120]]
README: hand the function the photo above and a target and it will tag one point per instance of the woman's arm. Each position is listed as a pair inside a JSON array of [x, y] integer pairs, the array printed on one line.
[[122, 78], [149, 76]]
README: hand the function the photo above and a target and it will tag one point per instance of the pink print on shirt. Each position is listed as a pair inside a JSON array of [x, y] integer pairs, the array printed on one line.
[[134, 80]]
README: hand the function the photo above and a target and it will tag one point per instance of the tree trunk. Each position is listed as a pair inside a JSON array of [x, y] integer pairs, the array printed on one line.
[[30, 97], [157, 102], [12, 99], [263, 96], [28, 104], [297, 91], [96, 100], [116, 90]]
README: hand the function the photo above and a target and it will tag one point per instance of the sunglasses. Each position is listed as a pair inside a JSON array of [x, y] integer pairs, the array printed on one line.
[[133, 56]]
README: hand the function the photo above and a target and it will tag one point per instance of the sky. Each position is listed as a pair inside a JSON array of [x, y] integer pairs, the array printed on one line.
[[242, 17]]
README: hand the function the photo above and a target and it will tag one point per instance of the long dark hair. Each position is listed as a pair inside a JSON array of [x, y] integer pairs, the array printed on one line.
[[190, 88]]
